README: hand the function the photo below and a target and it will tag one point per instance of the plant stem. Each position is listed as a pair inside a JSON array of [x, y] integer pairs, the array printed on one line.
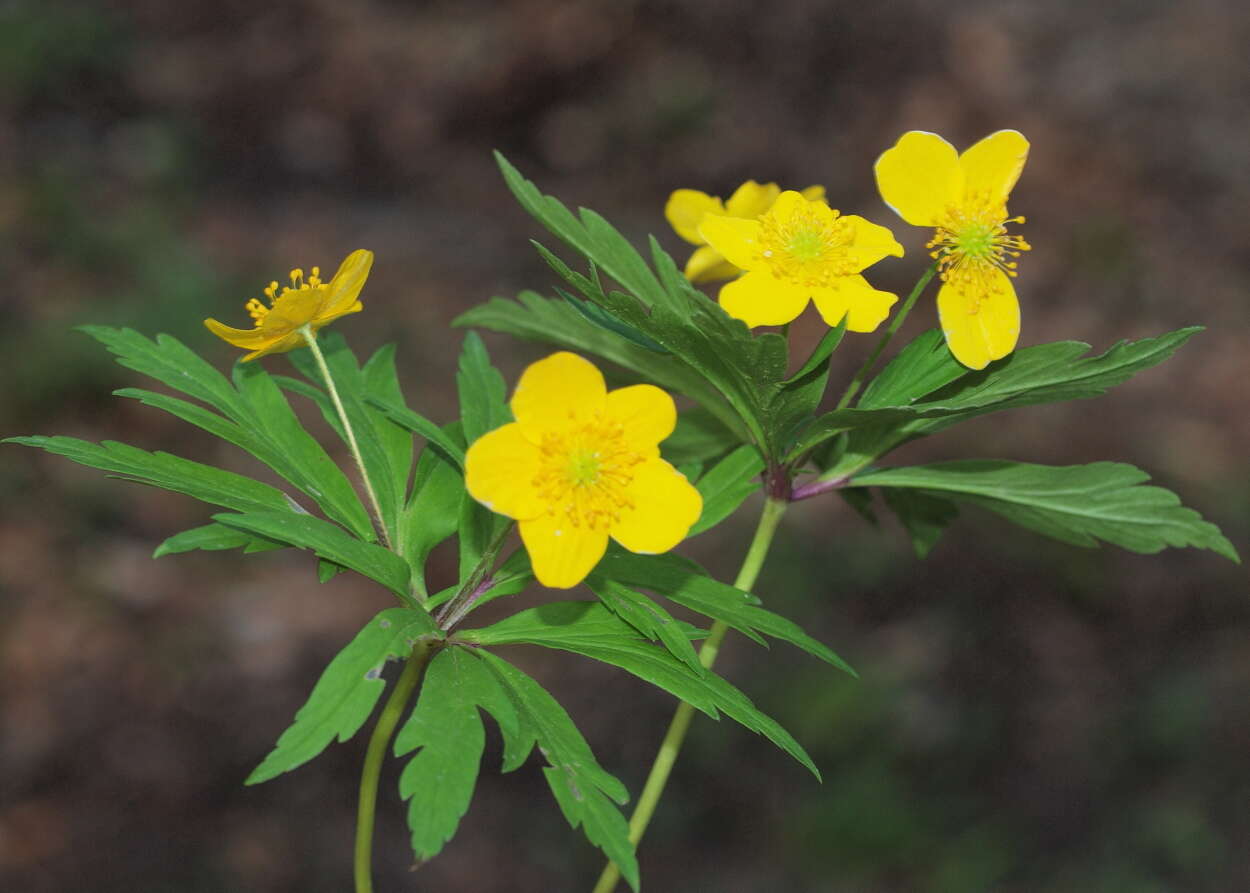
[[422, 651], [311, 338], [857, 382], [680, 724]]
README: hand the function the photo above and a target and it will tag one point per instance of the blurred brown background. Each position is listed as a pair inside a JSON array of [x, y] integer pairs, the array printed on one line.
[[1031, 717]]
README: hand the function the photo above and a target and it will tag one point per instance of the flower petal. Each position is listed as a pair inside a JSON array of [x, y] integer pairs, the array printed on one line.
[[761, 299], [685, 209], [872, 242], [647, 414], [919, 177], [248, 339], [988, 332], [555, 390], [665, 506], [992, 166], [736, 239], [281, 344], [294, 309], [751, 199], [865, 307], [499, 472], [707, 265], [561, 554], [345, 287], [814, 193]]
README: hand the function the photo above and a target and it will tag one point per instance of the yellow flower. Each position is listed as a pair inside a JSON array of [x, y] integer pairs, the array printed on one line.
[[685, 211], [965, 197], [581, 464], [802, 249], [305, 302]]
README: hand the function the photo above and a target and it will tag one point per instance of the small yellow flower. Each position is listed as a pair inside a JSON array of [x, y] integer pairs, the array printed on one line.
[[685, 211], [801, 249], [965, 198], [580, 465], [305, 302]]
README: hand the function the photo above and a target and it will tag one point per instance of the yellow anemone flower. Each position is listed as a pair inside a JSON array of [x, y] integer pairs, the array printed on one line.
[[965, 198], [305, 302], [799, 250], [581, 464], [686, 209]]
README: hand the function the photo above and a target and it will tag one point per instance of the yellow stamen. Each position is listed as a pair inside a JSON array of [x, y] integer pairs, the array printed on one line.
[[807, 247], [586, 471], [971, 245]]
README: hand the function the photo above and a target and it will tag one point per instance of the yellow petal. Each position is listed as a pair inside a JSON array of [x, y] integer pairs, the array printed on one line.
[[248, 339], [736, 239], [790, 202], [707, 265], [814, 193], [992, 166], [647, 414], [990, 333], [761, 299], [499, 472], [555, 390], [344, 288], [294, 309], [561, 554], [751, 199], [872, 242], [685, 209], [865, 307], [919, 177], [280, 344], [665, 506]]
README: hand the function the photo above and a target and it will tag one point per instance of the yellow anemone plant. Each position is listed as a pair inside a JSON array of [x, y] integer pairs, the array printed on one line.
[[801, 250], [581, 464], [309, 301], [964, 197], [686, 209]]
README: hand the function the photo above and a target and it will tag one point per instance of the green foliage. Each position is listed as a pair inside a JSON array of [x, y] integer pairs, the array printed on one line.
[[589, 629], [1078, 504], [649, 620], [433, 511], [584, 791], [727, 485], [347, 691], [924, 516], [328, 542]]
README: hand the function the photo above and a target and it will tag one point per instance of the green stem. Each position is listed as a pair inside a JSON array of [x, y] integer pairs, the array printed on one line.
[[422, 651], [311, 338], [857, 382], [680, 724]]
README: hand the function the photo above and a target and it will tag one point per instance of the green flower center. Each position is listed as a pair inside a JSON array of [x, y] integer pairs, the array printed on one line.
[[585, 473], [809, 246], [973, 249]]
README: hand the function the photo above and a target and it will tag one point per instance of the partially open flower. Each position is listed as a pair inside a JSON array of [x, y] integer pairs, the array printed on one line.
[[305, 302], [580, 465]]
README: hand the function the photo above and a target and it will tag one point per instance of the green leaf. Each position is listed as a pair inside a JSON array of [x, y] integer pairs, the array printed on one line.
[[648, 619], [438, 780], [592, 236], [169, 361], [203, 482], [478, 527], [483, 395], [603, 319], [727, 485], [328, 542], [302, 460], [818, 361], [347, 691], [1078, 504], [419, 424], [554, 321], [212, 538], [687, 584], [923, 515], [920, 368], [381, 382], [583, 790], [433, 511], [588, 629], [698, 437]]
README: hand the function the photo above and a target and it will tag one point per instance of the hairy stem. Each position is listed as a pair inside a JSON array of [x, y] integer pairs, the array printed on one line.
[[422, 651], [858, 381], [311, 338], [680, 724]]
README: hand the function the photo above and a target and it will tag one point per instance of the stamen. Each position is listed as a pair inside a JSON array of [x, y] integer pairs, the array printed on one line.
[[586, 471], [807, 247], [971, 246]]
